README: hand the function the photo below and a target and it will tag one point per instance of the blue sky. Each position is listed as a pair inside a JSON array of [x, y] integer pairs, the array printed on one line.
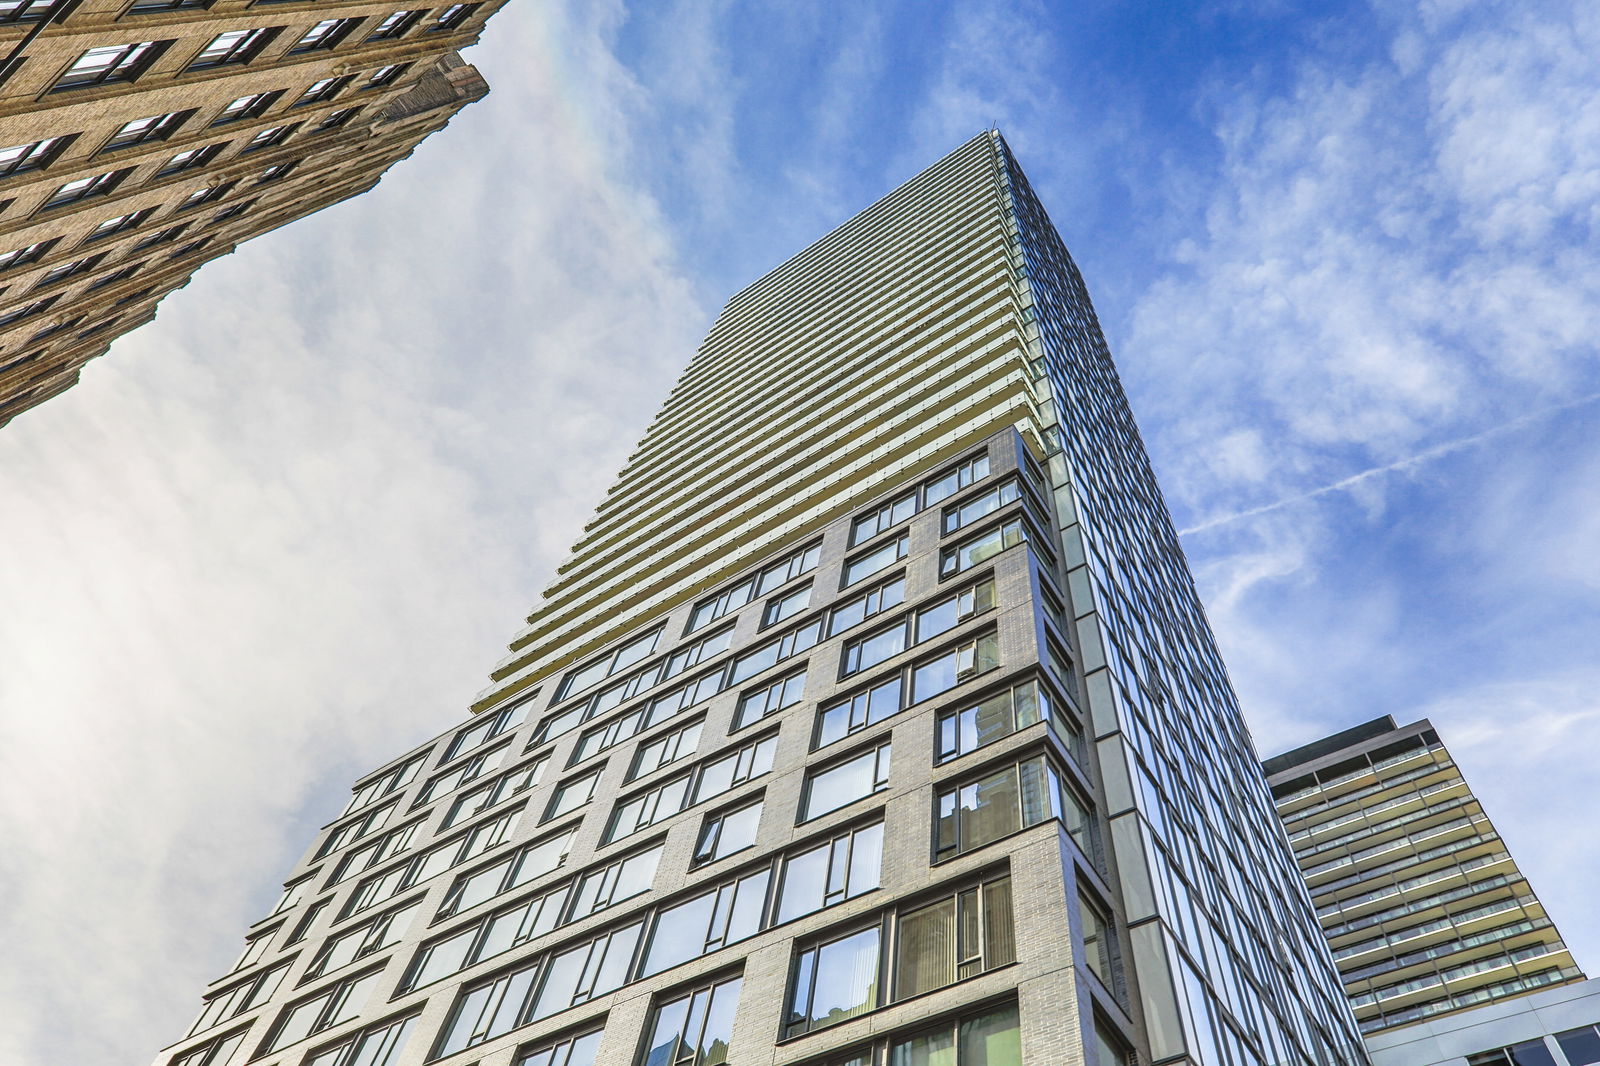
[[1345, 254]]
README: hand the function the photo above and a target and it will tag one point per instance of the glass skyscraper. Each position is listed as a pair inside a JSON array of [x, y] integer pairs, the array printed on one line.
[[874, 721]]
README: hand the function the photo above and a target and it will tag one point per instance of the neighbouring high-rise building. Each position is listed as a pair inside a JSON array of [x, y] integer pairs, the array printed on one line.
[[1421, 902], [874, 721], [141, 138]]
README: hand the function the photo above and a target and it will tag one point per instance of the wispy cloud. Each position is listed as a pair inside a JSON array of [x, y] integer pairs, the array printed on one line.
[[279, 535], [1438, 451]]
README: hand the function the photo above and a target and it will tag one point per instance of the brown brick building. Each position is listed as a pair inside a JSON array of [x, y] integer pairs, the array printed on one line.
[[141, 138]]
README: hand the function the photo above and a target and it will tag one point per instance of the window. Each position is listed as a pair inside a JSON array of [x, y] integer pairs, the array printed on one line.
[[500, 1004], [338, 118], [1007, 492], [704, 782], [951, 939], [771, 698], [276, 172], [454, 16], [21, 361], [1527, 1053], [693, 1029], [488, 725], [768, 579], [356, 828], [475, 801], [26, 10], [377, 1045], [232, 212], [832, 872], [330, 1007], [134, 296], [963, 730], [396, 24], [572, 794], [866, 652], [1100, 950], [234, 46], [190, 249], [1580, 1046], [493, 934], [307, 920], [325, 34], [957, 937], [886, 516], [64, 271], [726, 832], [774, 652], [51, 331], [573, 1051], [990, 1039], [267, 138], [235, 1000], [833, 982], [31, 253], [879, 559], [218, 1052], [527, 863], [431, 863], [369, 855], [171, 233], [252, 106], [107, 323], [82, 189], [1110, 1049], [665, 749], [844, 783], [868, 707], [384, 931], [192, 158], [943, 486], [294, 892], [146, 7], [725, 915], [324, 89], [620, 658], [786, 606], [1008, 800], [28, 310], [874, 601], [609, 885], [203, 196], [981, 548], [255, 949], [386, 75], [119, 224], [911, 685], [662, 707], [21, 158], [112, 63]]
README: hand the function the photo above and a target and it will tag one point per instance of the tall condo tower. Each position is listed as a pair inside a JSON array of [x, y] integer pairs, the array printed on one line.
[[141, 138], [1425, 910], [874, 721]]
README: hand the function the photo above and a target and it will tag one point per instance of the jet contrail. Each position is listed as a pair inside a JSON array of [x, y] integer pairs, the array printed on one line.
[[1403, 464]]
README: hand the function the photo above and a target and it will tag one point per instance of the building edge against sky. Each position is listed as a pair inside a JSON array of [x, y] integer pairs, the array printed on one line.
[[143, 138], [1426, 911], [915, 418], [1556, 1026]]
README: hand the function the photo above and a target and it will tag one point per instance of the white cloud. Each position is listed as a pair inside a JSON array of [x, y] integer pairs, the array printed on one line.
[[1396, 286], [278, 536]]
